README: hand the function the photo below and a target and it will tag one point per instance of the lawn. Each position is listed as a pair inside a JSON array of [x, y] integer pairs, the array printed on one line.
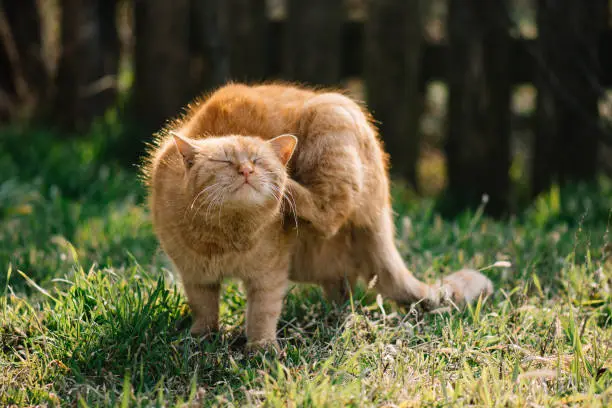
[[91, 314]]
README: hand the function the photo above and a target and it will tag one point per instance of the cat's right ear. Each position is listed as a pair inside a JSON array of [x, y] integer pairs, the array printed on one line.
[[185, 148]]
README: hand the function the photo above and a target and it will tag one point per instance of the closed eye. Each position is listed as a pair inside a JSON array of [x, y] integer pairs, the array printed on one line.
[[220, 161]]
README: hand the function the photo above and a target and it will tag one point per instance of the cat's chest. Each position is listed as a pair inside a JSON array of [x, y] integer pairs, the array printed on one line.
[[239, 256], [241, 265]]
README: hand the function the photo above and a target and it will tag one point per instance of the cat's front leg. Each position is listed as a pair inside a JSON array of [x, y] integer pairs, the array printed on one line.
[[265, 297], [203, 300]]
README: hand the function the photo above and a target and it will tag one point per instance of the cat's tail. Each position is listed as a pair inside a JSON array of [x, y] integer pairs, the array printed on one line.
[[395, 281]]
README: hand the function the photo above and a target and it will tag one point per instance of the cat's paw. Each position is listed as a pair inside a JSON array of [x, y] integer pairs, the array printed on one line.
[[465, 286], [203, 329], [269, 347]]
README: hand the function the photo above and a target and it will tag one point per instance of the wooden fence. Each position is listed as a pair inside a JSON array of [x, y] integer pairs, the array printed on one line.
[[570, 63], [186, 46], [434, 56]]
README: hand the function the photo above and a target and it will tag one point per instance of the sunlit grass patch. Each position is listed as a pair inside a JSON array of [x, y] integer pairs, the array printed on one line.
[[90, 315]]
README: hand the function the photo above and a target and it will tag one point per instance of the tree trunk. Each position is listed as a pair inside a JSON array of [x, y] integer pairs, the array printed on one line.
[[568, 130], [246, 31], [392, 68], [208, 45], [478, 143], [162, 81], [313, 39]]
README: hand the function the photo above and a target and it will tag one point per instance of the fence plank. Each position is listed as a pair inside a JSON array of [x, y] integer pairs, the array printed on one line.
[[477, 146], [24, 78], [434, 55], [77, 99], [161, 85], [208, 45], [312, 41], [392, 59], [568, 132], [110, 47], [246, 25]]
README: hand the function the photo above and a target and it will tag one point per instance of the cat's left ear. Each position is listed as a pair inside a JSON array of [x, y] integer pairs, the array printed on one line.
[[284, 146], [185, 148]]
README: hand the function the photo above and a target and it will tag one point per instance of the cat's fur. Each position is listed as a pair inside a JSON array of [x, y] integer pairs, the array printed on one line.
[[336, 182]]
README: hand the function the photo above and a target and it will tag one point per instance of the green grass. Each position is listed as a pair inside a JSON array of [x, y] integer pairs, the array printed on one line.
[[90, 314]]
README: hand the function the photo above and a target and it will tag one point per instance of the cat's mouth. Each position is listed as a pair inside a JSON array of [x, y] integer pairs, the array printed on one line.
[[244, 185]]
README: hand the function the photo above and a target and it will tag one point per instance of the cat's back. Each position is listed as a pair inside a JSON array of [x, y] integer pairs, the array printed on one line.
[[264, 110], [284, 96]]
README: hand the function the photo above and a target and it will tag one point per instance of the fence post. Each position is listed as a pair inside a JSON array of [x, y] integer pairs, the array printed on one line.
[[110, 46], [24, 79], [477, 146], [161, 83], [313, 32], [78, 96], [208, 45], [246, 29], [393, 38], [568, 73]]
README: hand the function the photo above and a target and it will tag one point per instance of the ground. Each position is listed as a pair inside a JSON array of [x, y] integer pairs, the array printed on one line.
[[91, 314]]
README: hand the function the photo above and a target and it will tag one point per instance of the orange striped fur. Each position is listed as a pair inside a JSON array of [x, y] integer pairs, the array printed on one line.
[[230, 198]]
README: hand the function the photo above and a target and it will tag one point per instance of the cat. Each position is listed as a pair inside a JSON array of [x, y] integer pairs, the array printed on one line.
[[269, 183]]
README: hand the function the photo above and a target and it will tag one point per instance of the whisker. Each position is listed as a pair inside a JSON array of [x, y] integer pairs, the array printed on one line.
[[190, 207], [212, 196], [221, 200], [219, 195], [200, 193], [288, 198], [277, 194], [293, 208]]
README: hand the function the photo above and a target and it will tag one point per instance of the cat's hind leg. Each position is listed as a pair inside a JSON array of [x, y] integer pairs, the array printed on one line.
[[395, 281], [329, 171], [338, 291], [325, 202]]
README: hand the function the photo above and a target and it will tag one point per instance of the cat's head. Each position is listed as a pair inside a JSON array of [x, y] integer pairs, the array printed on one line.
[[233, 173]]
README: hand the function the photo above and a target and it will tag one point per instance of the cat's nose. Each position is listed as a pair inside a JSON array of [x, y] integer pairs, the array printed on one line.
[[246, 169]]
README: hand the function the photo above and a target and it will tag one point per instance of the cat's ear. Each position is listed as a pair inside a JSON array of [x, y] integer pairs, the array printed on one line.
[[284, 146], [185, 148]]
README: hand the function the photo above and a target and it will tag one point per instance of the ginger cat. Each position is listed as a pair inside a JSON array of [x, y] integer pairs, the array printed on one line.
[[271, 183]]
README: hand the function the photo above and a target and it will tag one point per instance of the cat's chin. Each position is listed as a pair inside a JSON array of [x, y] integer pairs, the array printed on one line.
[[247, 195]]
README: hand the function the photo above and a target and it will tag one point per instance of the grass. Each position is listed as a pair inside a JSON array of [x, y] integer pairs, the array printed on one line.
[[90, 314]]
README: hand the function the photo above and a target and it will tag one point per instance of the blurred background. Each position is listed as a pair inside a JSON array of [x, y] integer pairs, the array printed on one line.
[[503, 98]]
